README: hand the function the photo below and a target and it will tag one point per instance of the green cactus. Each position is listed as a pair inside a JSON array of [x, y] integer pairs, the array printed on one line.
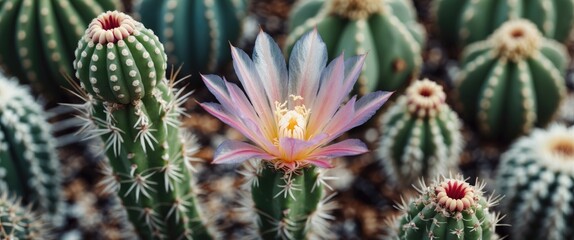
[[537, 176], [148, 153], [28, 157], [39, 39], [420, 135], [511, 82], [195, 33], [17, 222], [449, 208], [461, 22], [288, 205], [386, 29]]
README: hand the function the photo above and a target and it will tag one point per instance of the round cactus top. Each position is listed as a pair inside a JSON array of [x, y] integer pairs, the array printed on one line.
[[454, 195], [9, 89], [553, 147], [424, 98], [356, 9], [110, 27], [516, 39]]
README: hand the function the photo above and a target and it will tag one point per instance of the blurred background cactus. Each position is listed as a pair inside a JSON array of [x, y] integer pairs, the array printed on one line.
[[537, 176], [449, 208], [134, 108], [28, 157], [461, 22], [420, 135], [39, 38], [512, 82], [20, 223], [196, 34], [385, 29]]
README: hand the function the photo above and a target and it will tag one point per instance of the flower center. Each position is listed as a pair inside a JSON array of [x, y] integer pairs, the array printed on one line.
[[516, 40], [291, 122], [424, 98], [111, 27], [563, 147], [455, 195]]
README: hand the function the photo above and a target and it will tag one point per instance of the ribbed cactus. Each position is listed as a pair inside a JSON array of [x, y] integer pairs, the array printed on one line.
[[511, 82], [537, 176], [38, 39], [461, 22], [28, 159], [420, 135], [386, 29], [135, 110], [195, 33], [449, 208], [17, 222]]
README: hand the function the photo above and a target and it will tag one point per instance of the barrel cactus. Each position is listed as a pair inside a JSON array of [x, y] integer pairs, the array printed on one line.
[[18, 222], [135, 110], [511, 82], [420, 135], [386, 29], [449, 208], [39, 39], [28, 157], [461, 22], [195, 33], [537, 176]]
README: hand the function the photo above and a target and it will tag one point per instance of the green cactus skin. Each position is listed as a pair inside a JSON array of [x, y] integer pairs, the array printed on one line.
[[41, 35], [420, 135], [147, 152], [449, 208], [288, 205], [511, 82], [17, 222], [536, 174], [28, 157], [195, 33], [461, 22], [386, 29]]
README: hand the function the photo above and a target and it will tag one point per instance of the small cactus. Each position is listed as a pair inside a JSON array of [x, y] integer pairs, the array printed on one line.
[[195, 33], [17, 222], [537, 176], [449, 208], [420, 135], [39, 38], [511, 82], [149, 156], [28, 157], [386, 29], [461, 22]]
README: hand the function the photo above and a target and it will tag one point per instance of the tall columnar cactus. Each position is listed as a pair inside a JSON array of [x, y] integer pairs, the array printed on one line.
[[537, 176], [28, 159], [386, 29], [135, 110], [511, 82], [461, 22], [449, 208], [420, 135], [38, 39], [18, 222], [195, 33]]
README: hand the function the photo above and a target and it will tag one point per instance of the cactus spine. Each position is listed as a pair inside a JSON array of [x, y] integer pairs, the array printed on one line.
[[449, 208], [387, 29], [195, 33], [28, 158], [43, 36], [511, 82], [17, 222], [537, 176], [135, 110], [464, 22], [420, 135]]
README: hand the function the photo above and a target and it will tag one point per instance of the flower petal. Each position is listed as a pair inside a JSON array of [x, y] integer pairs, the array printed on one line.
[[307, 61], [348, 147], [367, 106], [323, 163], [235, 152], [271, 67]]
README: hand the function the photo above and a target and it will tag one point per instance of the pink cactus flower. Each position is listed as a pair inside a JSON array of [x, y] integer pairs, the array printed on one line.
[[292, 115]]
